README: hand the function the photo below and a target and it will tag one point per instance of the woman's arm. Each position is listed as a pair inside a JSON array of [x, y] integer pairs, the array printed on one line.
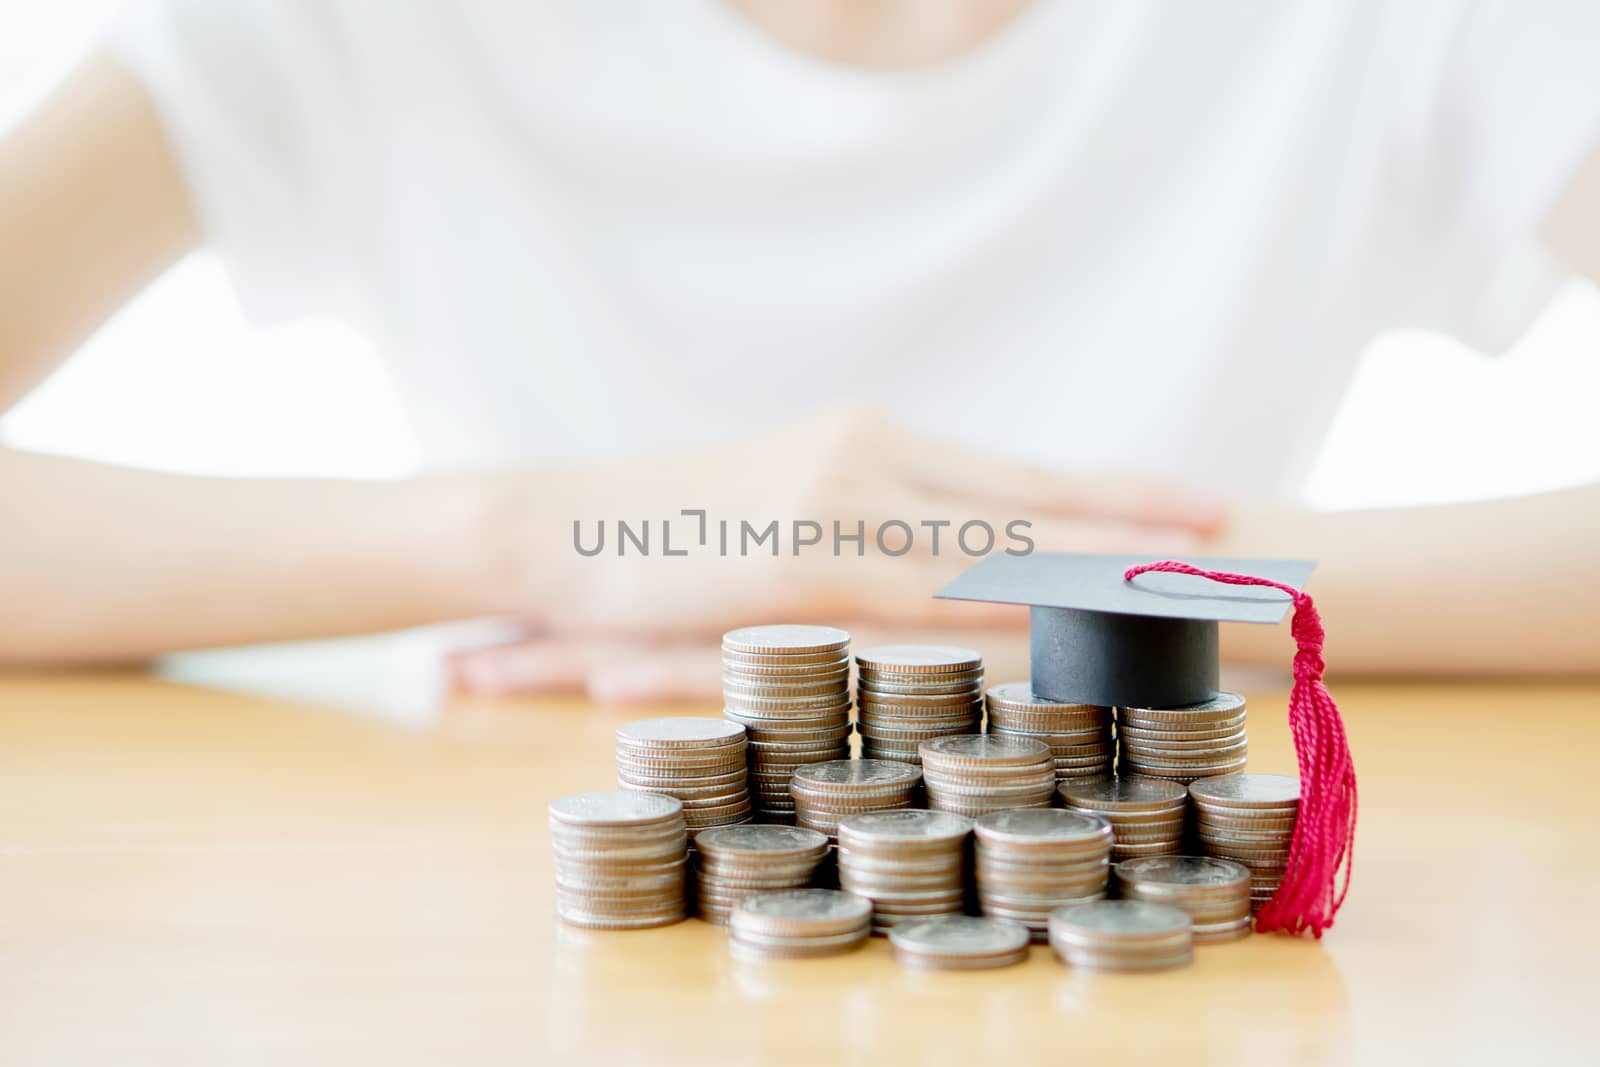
[[1497, 587], [91, 211], [104, 563], [99, 562], [1573, 228]]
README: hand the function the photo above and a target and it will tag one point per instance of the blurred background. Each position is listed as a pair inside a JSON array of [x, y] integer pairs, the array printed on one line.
[[180, 381]]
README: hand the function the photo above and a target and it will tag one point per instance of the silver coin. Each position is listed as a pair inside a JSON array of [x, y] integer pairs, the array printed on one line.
[[970, 682], [784, 660], [908, 889], [913, 659], [919, 961], [1176, 771], [1246, 838], [1032, 783], [1077, 732], [1061, 750], [757, 725], [983, 748], [1221, 703], [824, 690], [1212, 748], [960, 935], [912, 703], [857, 772], [615, 808], [1042, 824], [1132, 919], [833, 676], [1130, 731], [910, 735], [1184, 871], [902, 736], [1020, 695], [574, 917], [805, 907], [785, 667], [825, 816], [748, 950], [785, 638], [871, 749], [1248, 791], [782, 717], [723, 764], [830, 735], [1217, 933], [907, 825], [918, 677], [1144, 835], [799, 708], [1181, 748], [764, 840], [693, 796], [675, 732]]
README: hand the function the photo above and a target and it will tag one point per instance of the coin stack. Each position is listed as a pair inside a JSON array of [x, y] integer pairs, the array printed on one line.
[[789, 687], [700, 761], [908, 694], [798, 923], [1029, 863], [1122, 935], [734, 862], [1249, 819], [959, 943], [824, 793], [909, 863], [1079, 735], [1183, 744], [1146, 814], [619, 859], [975, 774], [1215, 893]]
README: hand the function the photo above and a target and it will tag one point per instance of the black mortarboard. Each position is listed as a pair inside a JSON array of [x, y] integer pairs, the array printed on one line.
[[1151, 642]]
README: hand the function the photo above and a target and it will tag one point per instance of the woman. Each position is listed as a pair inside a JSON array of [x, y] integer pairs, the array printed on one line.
[[838, 261]]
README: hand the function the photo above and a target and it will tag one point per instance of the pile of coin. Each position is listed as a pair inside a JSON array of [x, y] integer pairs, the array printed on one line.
[[1122, 935], [1249, 819], [789, 687], [734, 862], [1183, 744], [798, 923], [1146, 814], [1028, 863], [619, 859], [909, 863], [976, 774], [824, 793], [1079, 735], [699, 761], [1215, 892], [959, 943], [907, 694]]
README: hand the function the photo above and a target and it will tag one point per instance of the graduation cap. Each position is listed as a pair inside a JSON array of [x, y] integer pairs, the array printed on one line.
[[1127, 632], [1151, 642]]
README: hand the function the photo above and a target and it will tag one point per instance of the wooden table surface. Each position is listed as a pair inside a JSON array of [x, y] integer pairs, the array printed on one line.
[[188, 876]]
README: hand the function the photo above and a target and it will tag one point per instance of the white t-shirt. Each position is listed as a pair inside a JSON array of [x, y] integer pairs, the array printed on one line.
[[1145, 235]]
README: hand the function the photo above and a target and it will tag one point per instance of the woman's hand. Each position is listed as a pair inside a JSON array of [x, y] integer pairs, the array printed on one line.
[[624, 624], [633, 670]]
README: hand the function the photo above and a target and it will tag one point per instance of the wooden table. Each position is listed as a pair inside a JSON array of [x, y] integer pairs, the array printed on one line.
[[188, 876]]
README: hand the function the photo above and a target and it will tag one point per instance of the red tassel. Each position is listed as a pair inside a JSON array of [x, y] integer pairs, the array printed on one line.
[[1321, 852]]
